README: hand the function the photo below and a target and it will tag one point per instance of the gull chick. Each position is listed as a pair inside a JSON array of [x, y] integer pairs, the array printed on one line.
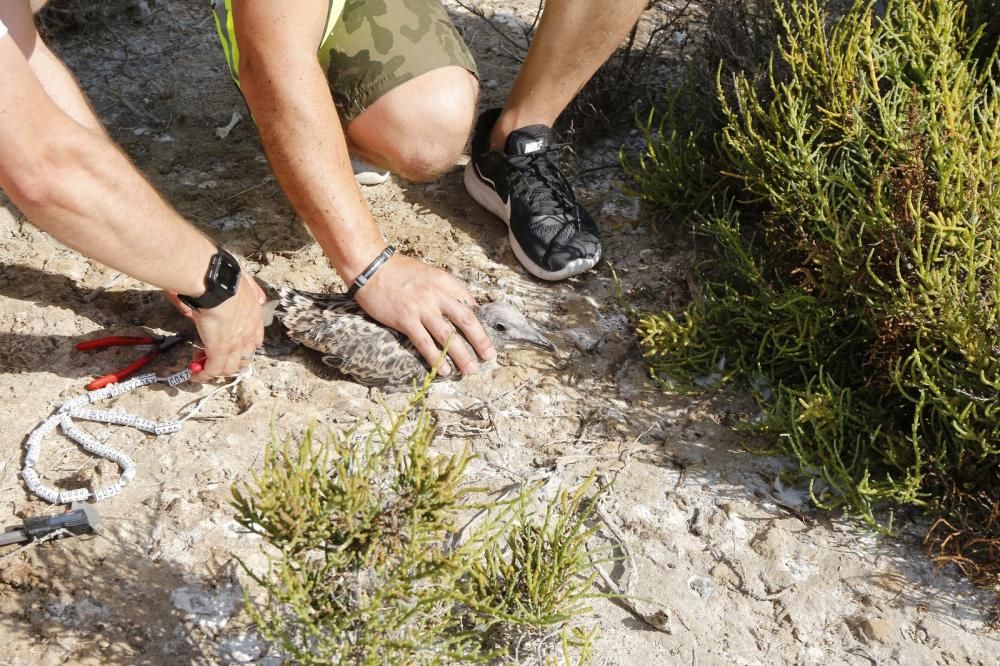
[[374, 355]]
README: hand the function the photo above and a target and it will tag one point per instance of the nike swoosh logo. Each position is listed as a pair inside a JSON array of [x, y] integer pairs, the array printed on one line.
[[493, 186], [484, 178]]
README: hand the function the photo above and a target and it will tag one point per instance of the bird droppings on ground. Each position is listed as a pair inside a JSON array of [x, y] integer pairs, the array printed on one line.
[[750, 574]]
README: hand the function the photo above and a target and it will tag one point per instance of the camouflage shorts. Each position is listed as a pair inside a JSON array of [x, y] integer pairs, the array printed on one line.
[[373, 46], [379, 44]]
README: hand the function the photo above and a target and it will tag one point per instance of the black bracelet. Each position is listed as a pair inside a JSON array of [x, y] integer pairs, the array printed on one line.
[[367, 274]]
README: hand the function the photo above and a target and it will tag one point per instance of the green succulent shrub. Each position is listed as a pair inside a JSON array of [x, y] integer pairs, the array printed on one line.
[[538, 576], [845, 194], [371, 564]]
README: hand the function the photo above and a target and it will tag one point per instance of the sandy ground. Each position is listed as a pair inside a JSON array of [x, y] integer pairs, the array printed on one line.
[[748, 580]]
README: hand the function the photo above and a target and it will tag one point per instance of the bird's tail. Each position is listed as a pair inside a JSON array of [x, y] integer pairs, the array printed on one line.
[[296, 308], [280, 299]]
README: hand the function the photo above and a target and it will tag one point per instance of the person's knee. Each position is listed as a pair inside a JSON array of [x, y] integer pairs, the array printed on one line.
[[436, 144], [420, 129]]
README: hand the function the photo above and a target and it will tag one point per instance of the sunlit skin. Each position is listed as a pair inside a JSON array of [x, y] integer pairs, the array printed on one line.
[[63, 172]]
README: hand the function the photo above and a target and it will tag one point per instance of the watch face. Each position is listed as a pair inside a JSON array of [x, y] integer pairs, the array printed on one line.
[[228, 275], [221, 282]]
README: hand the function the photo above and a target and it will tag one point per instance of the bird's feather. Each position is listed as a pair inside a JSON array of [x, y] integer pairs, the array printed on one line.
[[363, 349], [350, 340]]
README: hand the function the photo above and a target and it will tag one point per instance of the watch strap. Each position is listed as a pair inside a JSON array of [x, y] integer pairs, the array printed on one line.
[[206, 301]]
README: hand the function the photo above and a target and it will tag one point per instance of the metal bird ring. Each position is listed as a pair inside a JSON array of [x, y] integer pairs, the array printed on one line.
[[247, 357]]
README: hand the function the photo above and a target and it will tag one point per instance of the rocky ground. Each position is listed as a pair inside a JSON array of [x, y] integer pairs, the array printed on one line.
[[750, 574]]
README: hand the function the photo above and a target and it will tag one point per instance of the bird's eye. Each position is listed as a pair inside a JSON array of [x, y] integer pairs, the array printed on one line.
[[499, 327]]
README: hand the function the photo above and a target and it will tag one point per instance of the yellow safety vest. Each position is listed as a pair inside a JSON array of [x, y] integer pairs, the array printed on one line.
[[223, 10]]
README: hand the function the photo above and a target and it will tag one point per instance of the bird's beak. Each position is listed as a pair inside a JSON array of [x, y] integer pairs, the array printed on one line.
[[541, 342]]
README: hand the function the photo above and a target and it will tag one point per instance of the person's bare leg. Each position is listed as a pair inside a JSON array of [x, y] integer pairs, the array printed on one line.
[[574, 38], [419, 128]]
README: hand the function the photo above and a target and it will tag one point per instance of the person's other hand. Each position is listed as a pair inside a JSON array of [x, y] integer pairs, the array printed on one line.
[[428, 306], [231, 331]]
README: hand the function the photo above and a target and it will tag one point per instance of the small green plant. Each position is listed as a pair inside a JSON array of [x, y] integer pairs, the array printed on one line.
[[362, 574], [849, 225], [364, 568], [538, 576]]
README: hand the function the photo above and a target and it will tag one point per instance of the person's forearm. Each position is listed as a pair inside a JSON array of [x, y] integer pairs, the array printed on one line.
[[305, 144], [73, 182], [84, 191]]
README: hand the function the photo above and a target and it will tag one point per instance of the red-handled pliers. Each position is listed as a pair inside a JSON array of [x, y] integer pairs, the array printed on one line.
[[160, 343]]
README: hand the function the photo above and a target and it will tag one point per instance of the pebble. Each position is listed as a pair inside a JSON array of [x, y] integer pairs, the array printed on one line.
[[701, 585], [209, 609], [870, 629], [242, 648], [582, 339], [229, 222], [613, 323]]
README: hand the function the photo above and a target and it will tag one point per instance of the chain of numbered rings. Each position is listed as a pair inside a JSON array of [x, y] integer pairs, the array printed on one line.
[[80, 408]]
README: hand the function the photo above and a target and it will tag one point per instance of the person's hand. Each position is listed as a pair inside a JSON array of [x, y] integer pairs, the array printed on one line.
[[428, 306], [231, 331]]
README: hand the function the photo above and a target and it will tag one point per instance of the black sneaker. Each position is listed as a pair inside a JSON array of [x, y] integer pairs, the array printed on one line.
[[550, 233]]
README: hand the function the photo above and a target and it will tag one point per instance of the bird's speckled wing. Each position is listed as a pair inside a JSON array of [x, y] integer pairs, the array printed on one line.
[[350, 340]]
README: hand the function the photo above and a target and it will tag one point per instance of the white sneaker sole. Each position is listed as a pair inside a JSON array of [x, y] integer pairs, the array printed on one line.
[[366, 174], [488, 198]]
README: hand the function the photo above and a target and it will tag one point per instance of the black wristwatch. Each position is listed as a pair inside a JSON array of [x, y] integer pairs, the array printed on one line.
[[221, 282]]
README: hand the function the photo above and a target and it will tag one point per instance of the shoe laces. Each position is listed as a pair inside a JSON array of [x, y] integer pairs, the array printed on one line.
[[542, 181]]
